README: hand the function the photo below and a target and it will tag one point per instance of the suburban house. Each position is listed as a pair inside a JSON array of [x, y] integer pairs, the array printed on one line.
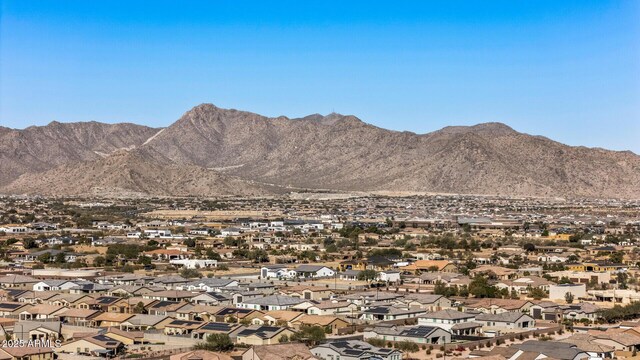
[[588, 343], [494, 272], [262, 335], [26, 353], [353, 350], [95, 346], [214, 328], [41, 330], [429, 302], [389, 276], [445, 319], [145, 321], [421, 266], [506, 320], [278, 271], [495, 306], [417, 334], [523, 284], [278, 352], [314, 271], [332, 308], [181, 327], [330, 323], [53, 285], [390, 313], [271, 302], [308, 292]]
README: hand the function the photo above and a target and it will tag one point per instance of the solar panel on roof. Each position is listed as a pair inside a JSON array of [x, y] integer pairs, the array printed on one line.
[[352, 352], [217, 326]]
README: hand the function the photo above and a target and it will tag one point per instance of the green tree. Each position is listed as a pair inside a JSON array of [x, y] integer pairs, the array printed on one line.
[[367, 275], [565, 280], [60, 258], [45, 258], [537, 293], [212, 255], [479, 287], [283, 339], [99, 261], [568, 297], [616, 257], [139, 308], [29, 243], [311, 335], [216, 342], [621, 279], [190, 273]]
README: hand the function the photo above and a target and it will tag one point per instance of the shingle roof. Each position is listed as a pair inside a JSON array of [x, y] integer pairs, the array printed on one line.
[[309, 268], [275, 300], [448, 315], [509, 316], [553, 349], [263, 332]]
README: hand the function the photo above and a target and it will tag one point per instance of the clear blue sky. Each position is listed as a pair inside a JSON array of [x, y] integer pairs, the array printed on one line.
[[569, 70]]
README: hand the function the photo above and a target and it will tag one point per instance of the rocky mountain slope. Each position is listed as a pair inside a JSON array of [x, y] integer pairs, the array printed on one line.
[[39, 148], [343, 153], [134, 173]]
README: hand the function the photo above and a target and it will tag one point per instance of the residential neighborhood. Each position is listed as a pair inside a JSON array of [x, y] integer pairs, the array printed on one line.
[[349, 278]]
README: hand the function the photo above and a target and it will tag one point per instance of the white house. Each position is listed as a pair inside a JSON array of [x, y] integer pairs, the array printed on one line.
[[270, 303], [445, 319], [389, 276], [230, 232], [314, 271], [511, 320], [277, 272], [13, 229], [208, 284], [157, 233], [194, 263], [54, 285]]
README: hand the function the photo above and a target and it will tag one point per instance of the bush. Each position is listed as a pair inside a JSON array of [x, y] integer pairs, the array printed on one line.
[[407, 346], [190, 273], [216, 342], [376, 342]]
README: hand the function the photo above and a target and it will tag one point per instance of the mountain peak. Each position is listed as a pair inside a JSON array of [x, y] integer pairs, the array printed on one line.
[[495, 128], [334, 151]]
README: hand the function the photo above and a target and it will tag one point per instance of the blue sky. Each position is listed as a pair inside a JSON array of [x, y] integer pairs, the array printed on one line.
[[568, 70]]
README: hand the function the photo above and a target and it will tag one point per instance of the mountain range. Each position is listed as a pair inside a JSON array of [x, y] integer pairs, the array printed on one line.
[[211, 151]]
